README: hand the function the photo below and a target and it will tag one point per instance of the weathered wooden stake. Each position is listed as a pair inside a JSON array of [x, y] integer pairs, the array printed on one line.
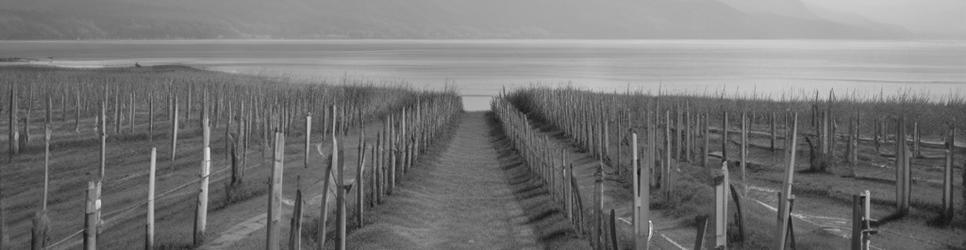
[[948, 177], [613, 230], [774, 134], [38, 234], [668, 147], [201, 214], [275, 195], [784, 206], [308, 138], [744, 152], [92, 214], [902, 171], [702, 232], [323, 217], [724, 137], [707, 140], [598, 205], [916, 140], [861, 222], [360, 187], [151, 119], [14, 138], [340, 201], [174, 132], [295, 227], [46, 164], [721, 187], [641, 199], [131, 115], [149, 231], [103, 134]]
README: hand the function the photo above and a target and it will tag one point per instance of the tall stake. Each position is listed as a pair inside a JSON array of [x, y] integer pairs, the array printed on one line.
[[46, 163], [787, 186], [744, 151], [360, 187], [275, 195], [149, 234], [174, 131], [103, 131], [641, 199], [201, 215], [948, 177], [323, 217], [92, 215], [721, 208], [724, 137], [14, 138]]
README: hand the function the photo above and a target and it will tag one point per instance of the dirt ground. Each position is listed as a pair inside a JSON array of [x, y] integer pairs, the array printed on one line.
[[476, 195]]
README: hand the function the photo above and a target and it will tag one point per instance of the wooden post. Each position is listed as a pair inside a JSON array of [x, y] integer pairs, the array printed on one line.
[[916, 140], [360, 187], [275, 195], [131, 109], [14, 138], [149, 232], [852, 143], [739, 215], [613, 230], [641, 199], [174, 132], [707, 140], [901, 164], [774, 136], [308, 138], [744, 152], [77, 110], [38, 234], [666, 173], [721, 187], [678, 132], [701, 234], [606, 139], [201, 214], [117, 109], [324, 215], [341, 212], [103, 134], [598, 205], [857, 218], [46, 164], [877, 133], [295, 227], [947, 214], [784, 205], [151, 119], [724, 137], [391, 151], [92, 215]]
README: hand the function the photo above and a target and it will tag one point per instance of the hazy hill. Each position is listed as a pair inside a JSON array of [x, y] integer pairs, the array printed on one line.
[[152, 19]]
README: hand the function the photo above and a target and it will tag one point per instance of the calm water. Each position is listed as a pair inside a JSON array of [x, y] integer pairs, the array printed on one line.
[[483, 67]]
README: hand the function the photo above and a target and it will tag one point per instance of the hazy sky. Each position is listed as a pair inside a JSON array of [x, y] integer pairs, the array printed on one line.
[[934, 16]]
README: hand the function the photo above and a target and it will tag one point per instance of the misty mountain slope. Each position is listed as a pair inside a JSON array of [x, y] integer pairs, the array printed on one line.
[[788, 8], [141, 19]]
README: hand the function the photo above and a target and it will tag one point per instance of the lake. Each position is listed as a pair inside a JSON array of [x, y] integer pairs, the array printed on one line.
[[481, 68]]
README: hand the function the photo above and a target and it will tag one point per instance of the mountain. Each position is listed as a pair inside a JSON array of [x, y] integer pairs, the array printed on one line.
[[181, 19], [787, 8], [800, 10]]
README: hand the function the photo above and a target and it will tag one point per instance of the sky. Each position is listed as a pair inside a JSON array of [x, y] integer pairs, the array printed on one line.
[[940, 17]]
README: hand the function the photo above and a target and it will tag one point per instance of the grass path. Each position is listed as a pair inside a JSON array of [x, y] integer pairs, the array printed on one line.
[[475, 196]]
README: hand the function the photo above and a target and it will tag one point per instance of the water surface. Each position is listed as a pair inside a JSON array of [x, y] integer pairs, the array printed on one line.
[[480, 68]]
